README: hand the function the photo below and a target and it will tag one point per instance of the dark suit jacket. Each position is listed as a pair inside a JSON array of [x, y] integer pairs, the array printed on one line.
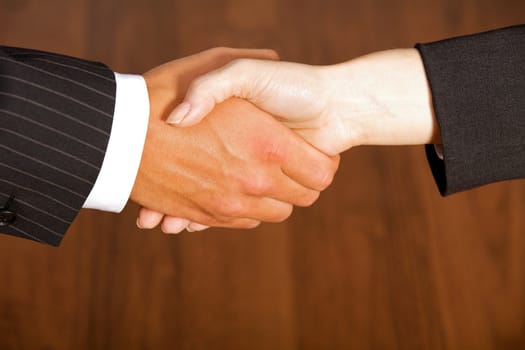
[[478, 92], [56, 114]]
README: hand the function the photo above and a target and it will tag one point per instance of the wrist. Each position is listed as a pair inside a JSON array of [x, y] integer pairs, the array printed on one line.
[[384, 99], [346, 103]]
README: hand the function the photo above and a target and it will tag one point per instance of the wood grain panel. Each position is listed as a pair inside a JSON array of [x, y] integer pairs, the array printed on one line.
[[380, 262]]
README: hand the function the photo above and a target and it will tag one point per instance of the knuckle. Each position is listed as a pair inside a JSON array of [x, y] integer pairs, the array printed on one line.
[[218, 208], [197, 84], [232, 207], [257, 184], [272, 152], [206, 219]]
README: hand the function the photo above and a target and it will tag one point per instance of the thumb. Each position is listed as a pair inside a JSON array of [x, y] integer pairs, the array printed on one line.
[[233, 80], [194, 108]]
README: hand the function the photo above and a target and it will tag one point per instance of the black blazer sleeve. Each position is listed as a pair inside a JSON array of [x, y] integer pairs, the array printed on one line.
[[56, 115], [478, 93]]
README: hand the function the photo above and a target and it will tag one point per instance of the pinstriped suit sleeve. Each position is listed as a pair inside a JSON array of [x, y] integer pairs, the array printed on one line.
[[55, 120]]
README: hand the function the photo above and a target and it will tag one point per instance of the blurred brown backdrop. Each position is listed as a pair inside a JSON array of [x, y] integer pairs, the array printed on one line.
[[380, 262]]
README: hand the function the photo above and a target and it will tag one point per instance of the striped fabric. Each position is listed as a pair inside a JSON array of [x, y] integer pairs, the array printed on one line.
[[55, 119]]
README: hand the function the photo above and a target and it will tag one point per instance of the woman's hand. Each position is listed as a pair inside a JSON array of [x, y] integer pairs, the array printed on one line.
[[378, 99], [298, 95]]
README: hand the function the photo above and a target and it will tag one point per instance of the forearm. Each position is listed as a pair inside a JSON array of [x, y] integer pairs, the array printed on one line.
[[56, 116]]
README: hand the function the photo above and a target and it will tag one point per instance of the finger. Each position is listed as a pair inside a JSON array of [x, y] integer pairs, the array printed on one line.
[[148, 219], [194, 227], [173, 225], [206, 92], [237, 223], [241, 224], [260, 209], [248, 210], [280, 187], [219, 56], [209, 60], [308, 166], [240, 78], [289, 191], [326, 141], [222, 55]]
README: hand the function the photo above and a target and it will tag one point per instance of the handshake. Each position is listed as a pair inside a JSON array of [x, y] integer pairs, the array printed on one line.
[[236, 137]]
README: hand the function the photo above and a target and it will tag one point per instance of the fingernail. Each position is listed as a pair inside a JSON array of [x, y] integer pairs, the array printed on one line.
[[138, 223], [179, 113], [194, 227], [199, 227]]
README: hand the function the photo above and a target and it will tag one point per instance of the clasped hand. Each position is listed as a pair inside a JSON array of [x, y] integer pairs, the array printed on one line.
[[231, 163], [236, 168]]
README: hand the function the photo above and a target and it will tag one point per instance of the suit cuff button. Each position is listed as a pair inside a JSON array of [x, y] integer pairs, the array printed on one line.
[[7, 217]]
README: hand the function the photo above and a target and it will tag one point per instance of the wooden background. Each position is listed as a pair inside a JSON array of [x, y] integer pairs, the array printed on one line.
[[380, 262]]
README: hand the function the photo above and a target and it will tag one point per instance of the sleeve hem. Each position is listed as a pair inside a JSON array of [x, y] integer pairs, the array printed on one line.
[[128, 134]]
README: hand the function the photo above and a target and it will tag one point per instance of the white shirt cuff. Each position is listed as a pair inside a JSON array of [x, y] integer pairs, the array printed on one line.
[[126, 142]]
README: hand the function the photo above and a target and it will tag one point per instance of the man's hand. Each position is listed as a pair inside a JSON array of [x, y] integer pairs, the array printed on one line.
[[237, 168]]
